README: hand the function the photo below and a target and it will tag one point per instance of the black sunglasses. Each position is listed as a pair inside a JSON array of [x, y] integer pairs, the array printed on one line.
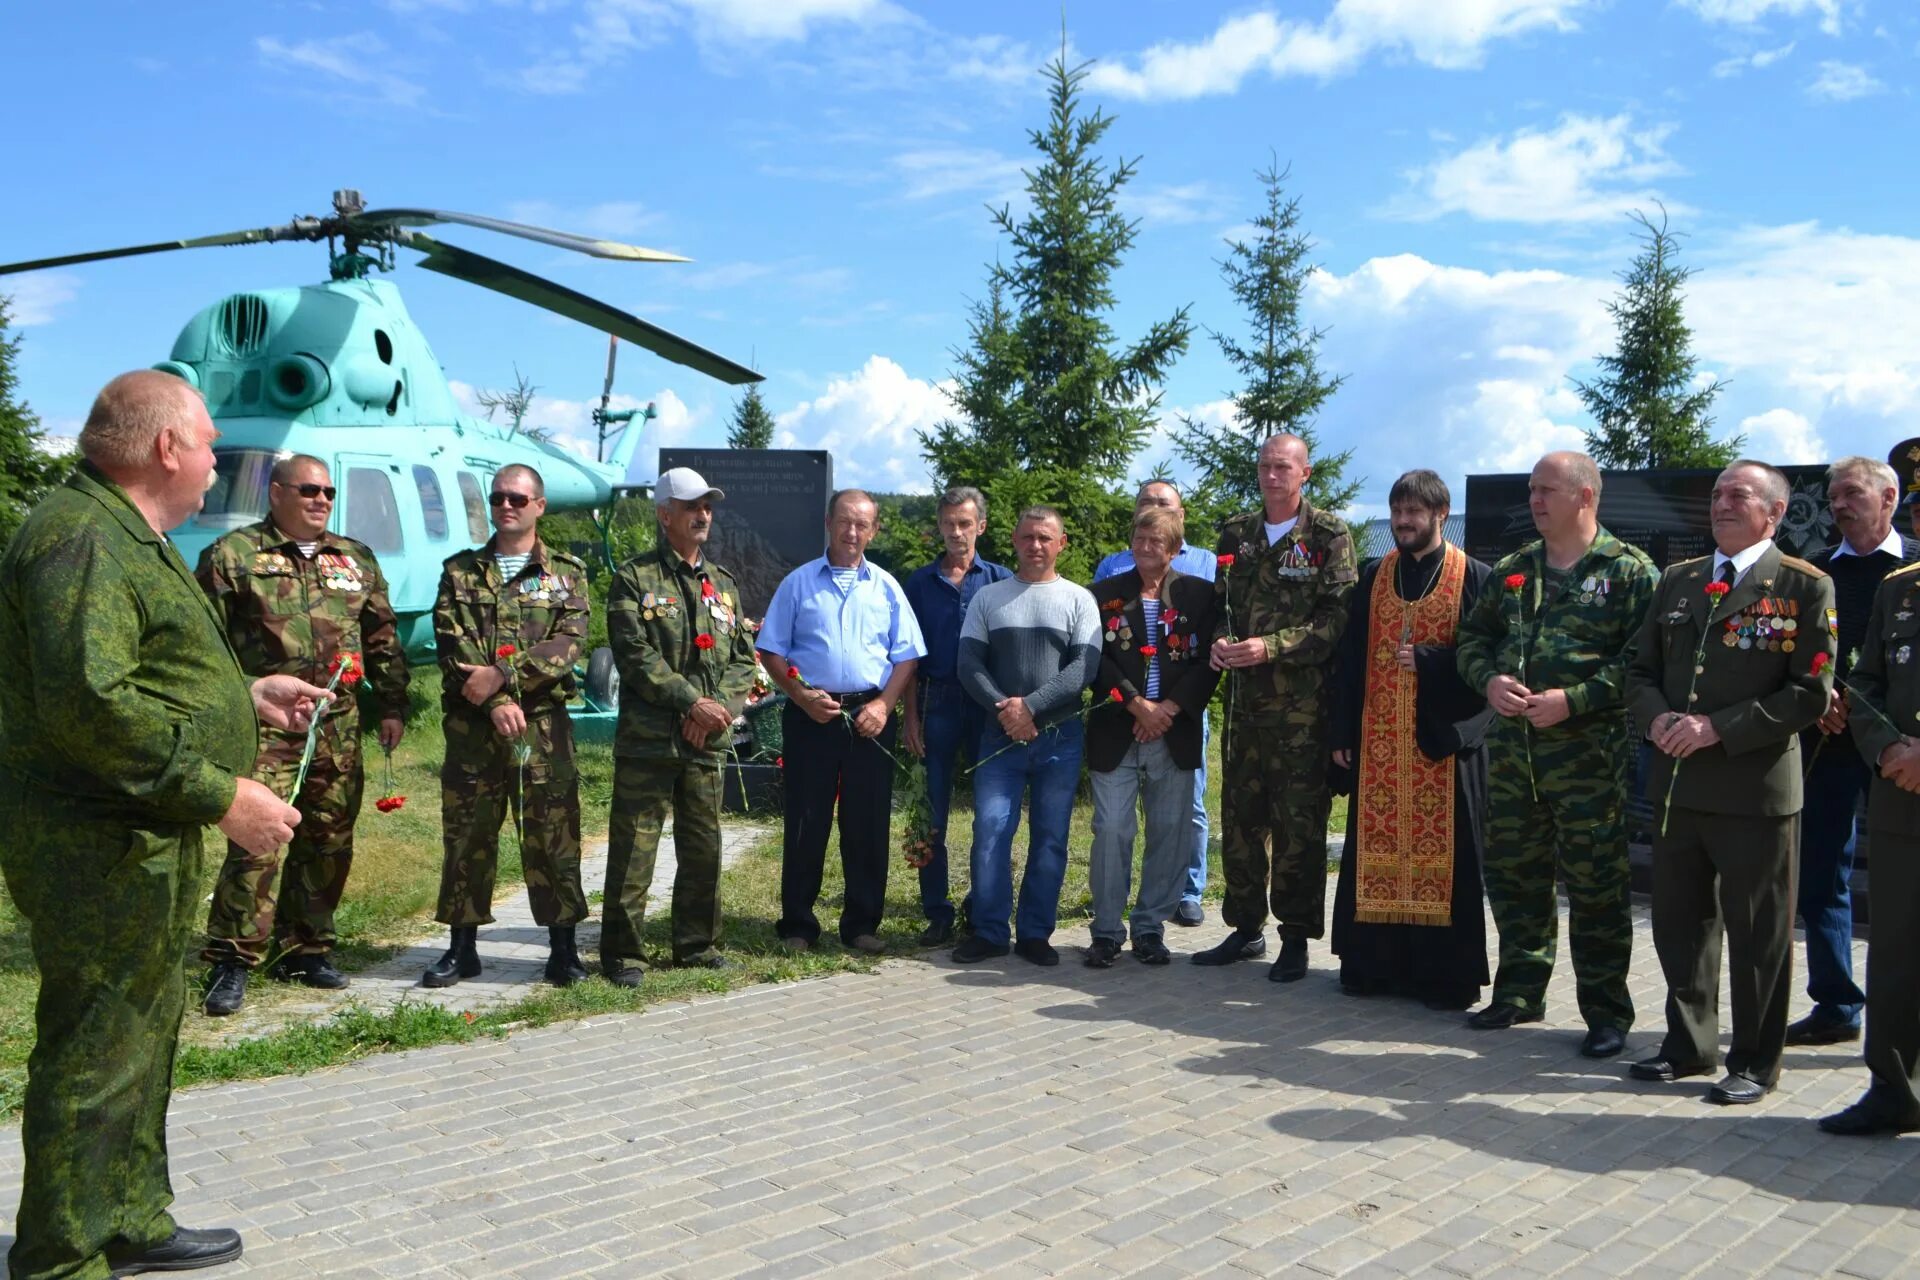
[[514, 500], [311, 490]]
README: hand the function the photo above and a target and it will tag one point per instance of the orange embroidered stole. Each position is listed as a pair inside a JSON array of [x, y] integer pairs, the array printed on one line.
[[1405, 822]]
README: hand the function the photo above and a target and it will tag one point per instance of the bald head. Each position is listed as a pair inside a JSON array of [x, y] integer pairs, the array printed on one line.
[[1284, 470], [1564, 496], [128, 416]]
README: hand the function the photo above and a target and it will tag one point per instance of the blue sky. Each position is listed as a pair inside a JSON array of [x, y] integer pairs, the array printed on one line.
[[1466, 166]]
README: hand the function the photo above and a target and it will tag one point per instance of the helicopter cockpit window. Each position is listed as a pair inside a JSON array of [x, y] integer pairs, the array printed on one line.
[[476, 508], [433, 507], [372, 515], [239, 493]]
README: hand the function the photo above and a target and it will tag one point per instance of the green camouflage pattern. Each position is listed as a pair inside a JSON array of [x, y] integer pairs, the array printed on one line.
[[288, 613], [1556, 797], [644, 791], [655, 612], [1293, 595], [543, 613], [1885, 695], [124, 722]]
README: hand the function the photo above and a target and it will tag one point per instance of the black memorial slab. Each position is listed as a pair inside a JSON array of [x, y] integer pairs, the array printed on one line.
[[774, 516]]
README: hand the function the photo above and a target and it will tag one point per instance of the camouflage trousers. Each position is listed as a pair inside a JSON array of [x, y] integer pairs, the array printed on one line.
[[1570, 819], [481, 785], [644, 791], [246, 924], [112, 910], [1274, 847]]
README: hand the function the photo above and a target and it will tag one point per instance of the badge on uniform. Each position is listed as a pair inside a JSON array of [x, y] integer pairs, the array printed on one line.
[[340, 573], [1903, 653]]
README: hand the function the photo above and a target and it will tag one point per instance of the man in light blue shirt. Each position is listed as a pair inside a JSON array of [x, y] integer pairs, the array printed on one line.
[[1201, 563], [840, 640]]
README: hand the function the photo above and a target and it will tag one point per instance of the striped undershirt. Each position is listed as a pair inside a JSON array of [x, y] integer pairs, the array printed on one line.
[[510, 566], [1151, 608]]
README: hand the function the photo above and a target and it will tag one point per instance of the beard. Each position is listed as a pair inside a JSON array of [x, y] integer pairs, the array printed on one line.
[[1419, 537]]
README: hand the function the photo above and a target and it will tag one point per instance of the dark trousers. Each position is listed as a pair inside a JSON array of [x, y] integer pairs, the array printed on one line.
[[1828, 839], [830, 766], [1893, 971], [952, 723], [1712, 870]]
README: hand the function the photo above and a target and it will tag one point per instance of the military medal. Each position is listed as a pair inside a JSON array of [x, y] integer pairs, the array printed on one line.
[[1903, 653]]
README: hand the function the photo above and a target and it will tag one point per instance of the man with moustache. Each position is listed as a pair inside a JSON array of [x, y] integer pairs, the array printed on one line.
[[942, 724], [1406, 735], [293, 598], [1861, 493], [1734, 660], [1548, 649], [1283, 606], [126, 729], [1199, 563]]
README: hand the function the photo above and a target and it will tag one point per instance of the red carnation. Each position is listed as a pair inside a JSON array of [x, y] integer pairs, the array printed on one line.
[[1113, 695], [703, 641], [1147, 650], [779, 762], [505, 651], [1821, 661], [1515, 581], [793, 673], [1717, 589], [1225, 562]]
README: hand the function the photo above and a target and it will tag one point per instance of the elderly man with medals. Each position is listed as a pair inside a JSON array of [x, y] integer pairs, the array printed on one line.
[[1407, 735]]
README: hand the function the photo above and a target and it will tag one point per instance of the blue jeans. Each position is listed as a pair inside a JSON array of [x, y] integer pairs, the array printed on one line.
[[1196, 881], [952, 723], [1050, 766], [1828, 839]]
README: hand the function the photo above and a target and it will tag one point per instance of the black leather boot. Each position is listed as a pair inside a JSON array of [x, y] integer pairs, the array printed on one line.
[[226, 989], [563, 960], [460, 961]]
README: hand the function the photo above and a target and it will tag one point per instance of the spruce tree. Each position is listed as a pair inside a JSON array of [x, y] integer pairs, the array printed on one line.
[[1282, 386], [1647, 409], [1051, 406], [27, 470], [752, 425]]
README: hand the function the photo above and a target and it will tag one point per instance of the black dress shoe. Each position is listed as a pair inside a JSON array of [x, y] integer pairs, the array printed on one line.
[[706, 960], [1102, 953], [1292, 964], [461, 959], [563, 957], [1235, 946], [1501, 1014], [1152, 949], [226, 989], [627, 975], [1602, 1042], [1817, 1028], [1037, 951], [314, 970], [186, 1249], [935, 935], [973, 949], [1868, 1117], [1189, 913], [1666, 1069], [1736, 1090]]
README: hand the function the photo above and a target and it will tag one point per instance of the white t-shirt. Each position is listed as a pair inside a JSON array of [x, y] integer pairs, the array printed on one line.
[[1275, 532]]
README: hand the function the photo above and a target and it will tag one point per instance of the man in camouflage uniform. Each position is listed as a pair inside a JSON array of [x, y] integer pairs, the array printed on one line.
[[509, 622], [1551, 656], [1285, 591], [292, 598], [686, 664], [125, 729]]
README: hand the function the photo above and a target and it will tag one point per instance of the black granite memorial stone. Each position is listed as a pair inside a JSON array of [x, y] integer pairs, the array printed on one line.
[[774, 516]]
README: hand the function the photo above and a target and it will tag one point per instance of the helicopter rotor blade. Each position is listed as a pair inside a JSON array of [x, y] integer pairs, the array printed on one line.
[[299, 229], [558, 239], [463, 264], [613, 350]]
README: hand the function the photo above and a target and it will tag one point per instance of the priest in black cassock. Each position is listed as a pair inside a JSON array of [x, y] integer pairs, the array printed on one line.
[[1407, 738]]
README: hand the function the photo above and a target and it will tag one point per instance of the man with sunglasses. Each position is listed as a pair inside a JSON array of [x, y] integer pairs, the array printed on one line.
[[292, 597], [509, 623]]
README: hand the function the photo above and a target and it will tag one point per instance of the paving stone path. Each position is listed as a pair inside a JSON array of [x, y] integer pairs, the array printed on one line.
[[1007, 1120]]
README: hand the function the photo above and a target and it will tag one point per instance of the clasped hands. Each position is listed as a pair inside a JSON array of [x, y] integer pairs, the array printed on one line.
[[1681, 735], [1508, 697], [1900, 765]]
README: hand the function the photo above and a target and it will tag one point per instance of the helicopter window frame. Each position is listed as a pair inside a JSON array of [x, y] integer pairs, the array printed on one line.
[[373, 511], [248, 467], [479, 527], [433, 502]]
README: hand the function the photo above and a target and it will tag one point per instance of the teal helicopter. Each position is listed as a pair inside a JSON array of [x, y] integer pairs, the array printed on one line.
[[340, 370]]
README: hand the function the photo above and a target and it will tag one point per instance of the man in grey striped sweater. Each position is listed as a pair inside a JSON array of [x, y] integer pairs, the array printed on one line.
[[1030, 646]]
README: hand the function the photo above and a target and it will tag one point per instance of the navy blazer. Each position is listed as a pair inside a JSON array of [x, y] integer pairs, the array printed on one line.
[[1186, 677]]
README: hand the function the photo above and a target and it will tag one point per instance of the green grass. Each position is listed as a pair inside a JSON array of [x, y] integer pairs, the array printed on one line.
[[390, 899]]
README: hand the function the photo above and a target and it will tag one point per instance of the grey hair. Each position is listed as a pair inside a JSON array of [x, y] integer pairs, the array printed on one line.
[[961, 493], [1884, 476], [1778, 489]]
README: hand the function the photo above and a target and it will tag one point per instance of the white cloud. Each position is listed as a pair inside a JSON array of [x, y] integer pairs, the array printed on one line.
[[870, 419], [1747, 13], [1582, 170], [942, 171], [1758, 60], [356, 60], [35, 298], [570, 422], [749, 20], [1451, 35], [1783, 436], [1178, 205], [1843, 82]]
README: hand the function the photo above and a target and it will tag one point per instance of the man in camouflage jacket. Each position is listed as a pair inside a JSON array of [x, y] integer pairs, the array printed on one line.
[[293, 597], [1283, 582], [686, 664], [1548, 644], [509, 623]]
